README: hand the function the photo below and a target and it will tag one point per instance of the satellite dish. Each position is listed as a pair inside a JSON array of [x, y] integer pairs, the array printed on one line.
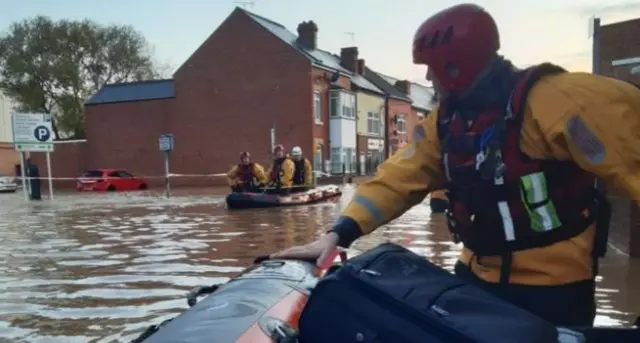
[[334, 77]]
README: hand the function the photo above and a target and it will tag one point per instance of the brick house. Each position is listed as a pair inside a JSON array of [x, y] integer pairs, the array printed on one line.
[[371, 114], [422, 98], [398, 110], [136, 113], [620, 50], [251, 77], [619, 56]]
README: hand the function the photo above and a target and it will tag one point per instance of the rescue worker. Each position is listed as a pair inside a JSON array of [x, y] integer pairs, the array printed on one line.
[[518, 152], [303, 172], [246, 176], [281, 171]]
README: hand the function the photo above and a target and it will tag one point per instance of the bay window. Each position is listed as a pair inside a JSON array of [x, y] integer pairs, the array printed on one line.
[[342, 104]]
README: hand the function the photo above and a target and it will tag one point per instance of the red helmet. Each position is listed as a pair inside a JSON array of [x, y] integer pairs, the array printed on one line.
[[457, 44], [278, 147]]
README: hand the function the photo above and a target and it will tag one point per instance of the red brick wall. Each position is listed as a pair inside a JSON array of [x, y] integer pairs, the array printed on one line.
[[239, 82], [620, 41], [125, 135], [68, 160], [8, 159]]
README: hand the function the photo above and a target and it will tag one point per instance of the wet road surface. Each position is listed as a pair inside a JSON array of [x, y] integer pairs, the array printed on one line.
[[103, 267]]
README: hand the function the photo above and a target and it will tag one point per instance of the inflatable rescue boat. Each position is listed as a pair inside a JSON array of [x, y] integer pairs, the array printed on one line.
[[261, 305], [264, 200]]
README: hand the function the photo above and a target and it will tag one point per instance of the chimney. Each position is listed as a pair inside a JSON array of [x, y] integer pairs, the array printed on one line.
[[349, 58], [404, 86], [361, 67], [308, 35]]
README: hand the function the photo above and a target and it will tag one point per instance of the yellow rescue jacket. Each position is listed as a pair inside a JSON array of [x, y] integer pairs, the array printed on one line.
[[610, 111], [281, 174], [236, 174]]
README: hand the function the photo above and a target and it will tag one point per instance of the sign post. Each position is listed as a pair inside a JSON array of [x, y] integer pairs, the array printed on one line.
[[33, 132], [166, 142], [23, 174]]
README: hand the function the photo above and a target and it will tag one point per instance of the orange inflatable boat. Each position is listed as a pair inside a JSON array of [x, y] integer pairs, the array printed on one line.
[[261, 305]]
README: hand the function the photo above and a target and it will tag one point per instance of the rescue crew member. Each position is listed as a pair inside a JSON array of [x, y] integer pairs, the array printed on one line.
[[303, 173], [438, 202], [281, 170], [246, 176], [518, 152]]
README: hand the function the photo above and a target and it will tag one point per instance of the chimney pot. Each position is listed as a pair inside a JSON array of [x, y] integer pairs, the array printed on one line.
[[308, 35], [349, 58], [404, 86]]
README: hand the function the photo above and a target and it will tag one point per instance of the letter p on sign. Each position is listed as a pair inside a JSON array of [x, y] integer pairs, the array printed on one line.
[[42, 133]]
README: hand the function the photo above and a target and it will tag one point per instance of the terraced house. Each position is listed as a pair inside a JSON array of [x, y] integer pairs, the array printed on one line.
[[252, 75]]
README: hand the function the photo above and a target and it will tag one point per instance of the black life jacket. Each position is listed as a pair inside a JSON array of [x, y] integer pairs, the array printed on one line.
[[246, 173], [501, 200], [276, 170], [299, 173]]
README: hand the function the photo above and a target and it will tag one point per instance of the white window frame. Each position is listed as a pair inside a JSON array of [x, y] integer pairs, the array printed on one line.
[[317, 107], [374, 118], [335, 107], [401, 123], [342, 104]]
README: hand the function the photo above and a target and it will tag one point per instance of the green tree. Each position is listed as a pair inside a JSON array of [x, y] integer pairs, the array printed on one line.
[[54, 66]]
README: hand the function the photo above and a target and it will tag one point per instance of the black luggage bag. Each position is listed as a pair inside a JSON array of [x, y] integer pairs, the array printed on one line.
[[391, 295]]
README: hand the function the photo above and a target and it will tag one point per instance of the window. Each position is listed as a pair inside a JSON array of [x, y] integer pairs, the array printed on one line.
[[334, 103], [124, 174], [317, 108], [401, 123], [92, 173], [374, 123], [342, 104], [336, 161]]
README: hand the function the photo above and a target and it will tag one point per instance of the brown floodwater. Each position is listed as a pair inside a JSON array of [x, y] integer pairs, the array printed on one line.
[[102, 267]]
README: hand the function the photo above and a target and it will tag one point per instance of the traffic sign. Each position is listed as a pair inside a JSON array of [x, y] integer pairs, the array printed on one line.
[[32, 132], [166, 142]]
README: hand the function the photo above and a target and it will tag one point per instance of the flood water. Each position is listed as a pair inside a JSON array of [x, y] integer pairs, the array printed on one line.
[[103, 267]]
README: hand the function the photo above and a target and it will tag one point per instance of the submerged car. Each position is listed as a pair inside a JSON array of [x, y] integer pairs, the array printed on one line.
[[109, 180], [8, 184]]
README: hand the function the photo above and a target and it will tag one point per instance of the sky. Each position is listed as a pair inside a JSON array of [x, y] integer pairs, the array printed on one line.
[[532, 31]]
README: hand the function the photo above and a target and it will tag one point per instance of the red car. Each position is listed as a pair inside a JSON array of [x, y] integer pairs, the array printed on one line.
[[101, 180]]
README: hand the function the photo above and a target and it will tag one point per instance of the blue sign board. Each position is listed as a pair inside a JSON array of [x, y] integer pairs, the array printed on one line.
[[166, 142]]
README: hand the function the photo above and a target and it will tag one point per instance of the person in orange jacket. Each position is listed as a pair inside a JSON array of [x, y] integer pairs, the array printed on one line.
[[281, 170], [518, 152], [247, 175]]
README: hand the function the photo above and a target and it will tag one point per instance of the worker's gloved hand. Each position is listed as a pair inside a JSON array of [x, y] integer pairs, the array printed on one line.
[[317, 250]]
